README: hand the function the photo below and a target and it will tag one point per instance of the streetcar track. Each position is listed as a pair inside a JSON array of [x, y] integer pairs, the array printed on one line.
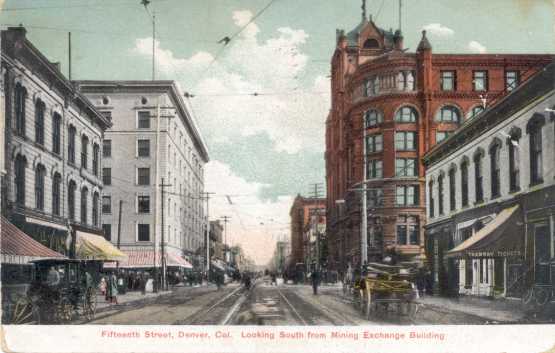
[[292, 308], [200, 317]]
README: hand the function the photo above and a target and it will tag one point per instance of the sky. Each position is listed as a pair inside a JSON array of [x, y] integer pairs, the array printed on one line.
[[260, 101]]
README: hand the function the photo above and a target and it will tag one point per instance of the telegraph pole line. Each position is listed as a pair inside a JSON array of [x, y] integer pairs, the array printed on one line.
[[225, 219], [206, 195], [119, 223], [316, 194], [162, 246]]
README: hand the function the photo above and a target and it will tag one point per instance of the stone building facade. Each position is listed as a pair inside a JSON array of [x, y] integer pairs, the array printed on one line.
[[134, 163], [52, 183], [491, 197], [390, 106]]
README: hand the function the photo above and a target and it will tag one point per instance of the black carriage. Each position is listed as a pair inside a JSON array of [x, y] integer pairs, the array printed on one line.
[[60, 289]]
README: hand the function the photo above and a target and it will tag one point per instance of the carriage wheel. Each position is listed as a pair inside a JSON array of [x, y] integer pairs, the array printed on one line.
[[65, 311], [542, 296], [528, 296], [90, 303], [25, 312]]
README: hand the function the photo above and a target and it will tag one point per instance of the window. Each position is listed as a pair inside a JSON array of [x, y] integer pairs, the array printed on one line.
[[143, 232], [431, 198], [56, 133], [84, 151], [475, 111], [407, 230], [84, 194], [494, 153], [96, 159], [107, 148], [406, 115], [440, 194], [107, 115], [374, 143], [143, 204], [107, 231], [39, 121], [143, 120], [534, 130], [106, 204], [143, 176], [514, 161], [143, 147], [71, 144], [448, 81], [373, 118], [20, 98], [407, 195], [56, 194], [72, 187], [441, 135], [512, 79], [374, 169], [405, 140], [452, 189], [448, 114], [372, 87], [464, 184], [374, 197], [405, 81], [371, 43], [40, 173], [107, 176], [478, 177], [95, 218], [480, 80], [19, 179], [405, 167]]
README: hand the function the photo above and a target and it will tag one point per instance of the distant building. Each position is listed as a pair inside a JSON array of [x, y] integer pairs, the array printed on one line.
[[135, 165], [491, 197], [216, 237], [301, 213], [389, 106], [51, 180]]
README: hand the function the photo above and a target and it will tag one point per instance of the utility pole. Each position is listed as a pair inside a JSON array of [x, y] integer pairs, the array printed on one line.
[[153, 45], [364, 215], [225, 219], [207, 196], [317, 193], [119, 223], [156, 172], [69, 55], [162, 246]]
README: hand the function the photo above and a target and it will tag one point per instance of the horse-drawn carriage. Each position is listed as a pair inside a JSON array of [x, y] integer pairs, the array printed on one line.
[[381, 287], [60, 289]]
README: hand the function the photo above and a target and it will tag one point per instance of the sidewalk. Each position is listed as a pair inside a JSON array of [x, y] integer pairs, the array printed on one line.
[[129, 298], [493, 310]]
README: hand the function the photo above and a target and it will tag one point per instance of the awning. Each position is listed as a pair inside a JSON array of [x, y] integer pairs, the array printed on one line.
[[145, 259], [94, 247], [19, 248], [502, 237]]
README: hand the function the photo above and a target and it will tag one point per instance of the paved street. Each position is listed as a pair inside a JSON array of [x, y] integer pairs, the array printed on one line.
[[285, 304]]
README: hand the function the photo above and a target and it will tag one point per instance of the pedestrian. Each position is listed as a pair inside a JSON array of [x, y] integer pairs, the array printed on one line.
[[142, 283], [274, 279], [102, 286], [315, 278], [112, 289]]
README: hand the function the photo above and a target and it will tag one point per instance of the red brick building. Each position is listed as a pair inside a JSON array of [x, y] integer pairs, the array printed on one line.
[[301, 211], [402, 104]]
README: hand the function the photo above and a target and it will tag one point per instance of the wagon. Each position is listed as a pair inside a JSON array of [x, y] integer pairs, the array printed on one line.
[[59, 290]]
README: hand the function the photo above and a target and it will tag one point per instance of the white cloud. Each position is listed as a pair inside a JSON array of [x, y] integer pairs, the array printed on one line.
[[289, 108], [439, 30], [254, 223], [476, 47]]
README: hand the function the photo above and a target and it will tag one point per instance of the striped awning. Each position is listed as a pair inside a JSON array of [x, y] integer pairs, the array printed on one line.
[[145, 259], [20, 248]]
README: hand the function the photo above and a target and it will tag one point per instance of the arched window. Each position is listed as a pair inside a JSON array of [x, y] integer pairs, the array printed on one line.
[[84, 194], [406, 114], [448, 114], [495, 168], [56, 133], [40, 173], [72, 187], [534, 130], [514, 159], [474, 111], [71, 144], [19, 179], [371, 43], [372, 118], [56, 193], [40, 107], [96, 199], [96, 159], [440, 195], [20, 98], [452, 189], [478, 177], [464, 183], [84, 151], [431, 198]]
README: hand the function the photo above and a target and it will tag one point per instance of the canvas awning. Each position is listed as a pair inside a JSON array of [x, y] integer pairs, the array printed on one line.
[[94, 247], [502, 237], [145, 259], [20, 248]]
